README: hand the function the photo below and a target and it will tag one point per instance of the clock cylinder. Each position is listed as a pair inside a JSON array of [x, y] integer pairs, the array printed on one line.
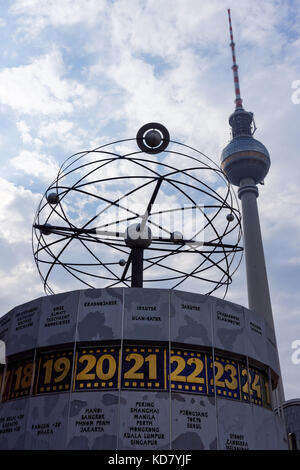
[[132, 368]]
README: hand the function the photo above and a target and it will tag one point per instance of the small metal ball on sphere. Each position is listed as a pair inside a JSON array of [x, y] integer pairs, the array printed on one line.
[[153, 138], [53, 198], [230, 217]]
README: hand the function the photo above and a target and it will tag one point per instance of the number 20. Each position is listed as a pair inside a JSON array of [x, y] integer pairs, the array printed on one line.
[[92, 361]]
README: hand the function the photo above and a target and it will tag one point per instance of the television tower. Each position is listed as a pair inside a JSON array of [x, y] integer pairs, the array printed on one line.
[[246, 163]]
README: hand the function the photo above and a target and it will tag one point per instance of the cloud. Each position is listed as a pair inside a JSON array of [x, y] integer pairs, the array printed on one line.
[[19, 280], [17, 207], [35, 164], [24, 131], [39, 87], [19, 277], [34, 15]]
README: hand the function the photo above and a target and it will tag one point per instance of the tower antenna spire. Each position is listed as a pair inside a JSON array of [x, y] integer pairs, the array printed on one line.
[[238, 99]]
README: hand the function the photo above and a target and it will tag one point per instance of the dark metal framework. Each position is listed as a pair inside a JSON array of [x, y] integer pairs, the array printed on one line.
[[164, 260]]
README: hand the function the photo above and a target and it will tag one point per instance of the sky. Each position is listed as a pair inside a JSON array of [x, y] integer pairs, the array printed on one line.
[[75, 75]]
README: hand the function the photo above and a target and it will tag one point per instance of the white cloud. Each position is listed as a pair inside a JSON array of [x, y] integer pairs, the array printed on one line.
[[23, 275], [55, 128], [62, 133], [17, 208], [24, 131], [34, 15], [39, 87], [38, 165], [19, 277]]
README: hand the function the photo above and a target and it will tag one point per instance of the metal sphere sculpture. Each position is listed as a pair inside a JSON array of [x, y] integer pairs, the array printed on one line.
[[137, 212]]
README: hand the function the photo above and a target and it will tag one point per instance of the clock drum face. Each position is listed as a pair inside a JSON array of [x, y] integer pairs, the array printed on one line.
[[120, 368]]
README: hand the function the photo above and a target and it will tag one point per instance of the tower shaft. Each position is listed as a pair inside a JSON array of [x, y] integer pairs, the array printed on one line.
[[257, 281]]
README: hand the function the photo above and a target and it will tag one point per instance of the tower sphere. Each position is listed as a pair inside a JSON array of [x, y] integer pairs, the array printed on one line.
[[245, 157]]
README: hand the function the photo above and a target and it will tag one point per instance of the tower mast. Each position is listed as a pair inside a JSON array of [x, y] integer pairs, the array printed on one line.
[[238, 99]]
